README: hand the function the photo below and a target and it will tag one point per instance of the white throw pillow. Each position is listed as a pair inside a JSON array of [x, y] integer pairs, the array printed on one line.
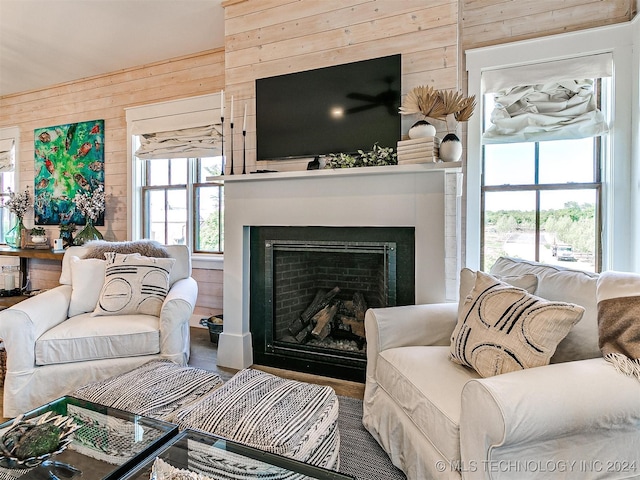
[[134, 284], [87, 278]]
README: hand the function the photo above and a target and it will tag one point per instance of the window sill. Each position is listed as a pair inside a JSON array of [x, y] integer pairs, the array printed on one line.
[[207, 261]]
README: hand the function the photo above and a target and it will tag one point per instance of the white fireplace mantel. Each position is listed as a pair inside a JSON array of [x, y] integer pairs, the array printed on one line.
[[424, 196]]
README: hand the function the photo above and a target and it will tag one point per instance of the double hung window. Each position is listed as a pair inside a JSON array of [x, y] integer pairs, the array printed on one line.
[[541, 188], [179, 207], [176, 149]]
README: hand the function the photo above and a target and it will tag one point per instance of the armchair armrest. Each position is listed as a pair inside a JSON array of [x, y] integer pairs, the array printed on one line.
[[575, 411], [391, 327], [174, 319], [22, 324], [409, 325]]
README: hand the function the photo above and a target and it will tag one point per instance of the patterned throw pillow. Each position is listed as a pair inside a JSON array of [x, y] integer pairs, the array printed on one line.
[[502, 328], [134, 284]]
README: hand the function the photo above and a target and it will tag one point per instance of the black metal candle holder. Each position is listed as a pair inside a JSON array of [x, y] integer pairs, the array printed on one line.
[[244, 151], [231, 172], [222, 143]]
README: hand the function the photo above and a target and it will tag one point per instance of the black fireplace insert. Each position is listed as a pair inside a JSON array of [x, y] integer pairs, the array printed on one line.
[[311, 286]]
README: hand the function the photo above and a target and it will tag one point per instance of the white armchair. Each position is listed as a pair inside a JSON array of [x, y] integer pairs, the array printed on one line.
[[576, 418], [50, 353]]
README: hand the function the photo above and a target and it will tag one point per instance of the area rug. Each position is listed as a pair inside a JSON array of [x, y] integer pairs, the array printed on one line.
[[360, 455]]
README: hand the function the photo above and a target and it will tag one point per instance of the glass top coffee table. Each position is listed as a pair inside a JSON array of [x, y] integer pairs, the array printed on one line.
[[108, 443], [214, 457]]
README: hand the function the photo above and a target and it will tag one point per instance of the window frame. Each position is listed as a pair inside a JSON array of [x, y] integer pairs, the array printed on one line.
[[538, 187], [617, 236], [194, 182]]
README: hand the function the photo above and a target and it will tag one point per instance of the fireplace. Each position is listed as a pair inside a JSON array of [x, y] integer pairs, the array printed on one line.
[[423, 197], [310, 287]]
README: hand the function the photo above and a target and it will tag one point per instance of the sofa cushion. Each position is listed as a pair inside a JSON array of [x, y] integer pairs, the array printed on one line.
[[84, 337], [503, 328], [427, 386], [87, 278], [134, 284], [528, 282], [565, 285]]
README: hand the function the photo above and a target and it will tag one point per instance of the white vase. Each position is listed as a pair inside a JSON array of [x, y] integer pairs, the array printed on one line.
[[422, 129], [450, 148]]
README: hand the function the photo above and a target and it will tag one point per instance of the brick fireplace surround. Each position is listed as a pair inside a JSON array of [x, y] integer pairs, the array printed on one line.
[[424, 196]]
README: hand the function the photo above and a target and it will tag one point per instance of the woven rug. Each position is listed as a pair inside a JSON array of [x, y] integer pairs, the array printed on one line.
[[360, 455]]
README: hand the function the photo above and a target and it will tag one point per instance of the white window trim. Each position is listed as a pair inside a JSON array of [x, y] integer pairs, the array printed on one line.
[[161, 113], [617, 241]]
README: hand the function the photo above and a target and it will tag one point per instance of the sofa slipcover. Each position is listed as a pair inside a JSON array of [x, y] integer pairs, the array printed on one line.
[[50, 354], [577, 418]]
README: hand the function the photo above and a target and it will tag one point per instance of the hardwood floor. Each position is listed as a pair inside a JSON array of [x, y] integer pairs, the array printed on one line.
[[204, 355]]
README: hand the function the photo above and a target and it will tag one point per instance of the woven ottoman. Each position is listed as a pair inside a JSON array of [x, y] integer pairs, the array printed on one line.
[[294, 419], [157, 389]]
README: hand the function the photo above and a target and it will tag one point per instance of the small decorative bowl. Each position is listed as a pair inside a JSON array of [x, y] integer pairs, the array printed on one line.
[[11, 438]]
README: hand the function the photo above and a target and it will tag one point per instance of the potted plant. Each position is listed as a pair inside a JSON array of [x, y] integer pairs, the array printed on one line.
[[38, 235], [66, 233]]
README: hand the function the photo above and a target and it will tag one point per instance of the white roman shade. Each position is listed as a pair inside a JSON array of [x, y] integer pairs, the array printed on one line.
[[6, 155], [546, 101], [201, 141], [189, 127]]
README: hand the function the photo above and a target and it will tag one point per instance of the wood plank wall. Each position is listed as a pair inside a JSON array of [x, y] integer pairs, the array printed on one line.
[[270, 37], [491, 22], [106, 97]]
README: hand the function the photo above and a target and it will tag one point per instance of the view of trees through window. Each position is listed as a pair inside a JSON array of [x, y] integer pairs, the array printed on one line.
[[180, 206], [540, 201]]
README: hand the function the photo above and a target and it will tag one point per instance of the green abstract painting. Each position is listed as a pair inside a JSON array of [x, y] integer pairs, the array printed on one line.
[[68, 159]]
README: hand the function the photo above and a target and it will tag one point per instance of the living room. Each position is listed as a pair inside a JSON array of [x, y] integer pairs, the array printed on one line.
[[273, 38]]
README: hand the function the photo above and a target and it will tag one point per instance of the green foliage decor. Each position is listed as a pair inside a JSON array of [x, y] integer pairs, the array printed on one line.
[[376, 157]]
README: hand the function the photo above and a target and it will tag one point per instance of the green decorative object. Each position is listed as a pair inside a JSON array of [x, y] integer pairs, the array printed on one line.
[[378, 156], [13, 237], [88, 233]]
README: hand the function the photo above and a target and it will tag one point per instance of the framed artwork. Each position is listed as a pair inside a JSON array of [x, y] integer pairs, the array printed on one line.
[[68, 159]]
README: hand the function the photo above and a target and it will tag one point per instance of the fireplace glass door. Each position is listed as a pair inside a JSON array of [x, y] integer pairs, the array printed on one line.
[[317, 293]]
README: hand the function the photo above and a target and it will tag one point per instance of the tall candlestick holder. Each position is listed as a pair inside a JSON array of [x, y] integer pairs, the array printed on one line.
[[222, 143], [231, 172], [244, 151]]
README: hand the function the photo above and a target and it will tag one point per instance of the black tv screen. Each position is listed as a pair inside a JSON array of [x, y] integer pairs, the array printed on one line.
[[338, 109]]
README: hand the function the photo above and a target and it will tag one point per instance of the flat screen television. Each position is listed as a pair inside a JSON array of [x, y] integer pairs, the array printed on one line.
[[338, 109]]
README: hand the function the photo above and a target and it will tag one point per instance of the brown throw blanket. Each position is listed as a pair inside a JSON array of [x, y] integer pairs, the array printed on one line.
[[618, 298]]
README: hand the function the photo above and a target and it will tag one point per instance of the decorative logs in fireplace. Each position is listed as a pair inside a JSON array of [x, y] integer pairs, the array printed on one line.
[[327, 315]]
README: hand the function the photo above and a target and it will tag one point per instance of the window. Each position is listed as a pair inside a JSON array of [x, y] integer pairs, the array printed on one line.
[[541, 200], [618, 244], [179, 207], [175, 148], [7, 176]]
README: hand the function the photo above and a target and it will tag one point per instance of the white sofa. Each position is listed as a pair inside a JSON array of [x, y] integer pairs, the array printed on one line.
[[575, 418], [51, 350]]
